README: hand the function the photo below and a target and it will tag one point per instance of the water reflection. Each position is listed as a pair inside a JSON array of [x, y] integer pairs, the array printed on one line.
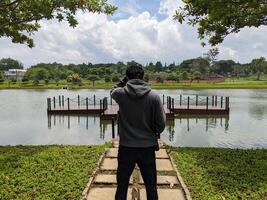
[[105, 126]]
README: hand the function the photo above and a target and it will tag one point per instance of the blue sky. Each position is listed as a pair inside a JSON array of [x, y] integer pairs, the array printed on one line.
[[141, 30], [129, 8]]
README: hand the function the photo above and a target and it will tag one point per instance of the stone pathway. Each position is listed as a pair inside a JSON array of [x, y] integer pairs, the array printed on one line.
[[102, 184]]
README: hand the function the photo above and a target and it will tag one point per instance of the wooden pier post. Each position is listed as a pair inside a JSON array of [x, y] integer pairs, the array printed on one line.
[[49, 121], [101, 106], [215, 101], [63, 100], [207, 103], [68, 103], [196, 100], [163, 99], [68, 121], [113, 128], [86, 103], [221, 101], [48, 104], [227, 103], [110, 101], [188, 102], [54, 100], [180, 100], [59, 101], [94, 100], [212, 101], [79, 101]]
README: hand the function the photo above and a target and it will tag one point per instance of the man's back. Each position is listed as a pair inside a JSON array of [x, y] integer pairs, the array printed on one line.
[[142, 115], [142, 118]]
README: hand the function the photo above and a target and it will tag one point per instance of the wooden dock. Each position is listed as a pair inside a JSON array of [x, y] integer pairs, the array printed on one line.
[[108, 109]]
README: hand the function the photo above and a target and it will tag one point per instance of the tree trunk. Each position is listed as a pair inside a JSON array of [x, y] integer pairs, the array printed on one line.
[[258, 75]]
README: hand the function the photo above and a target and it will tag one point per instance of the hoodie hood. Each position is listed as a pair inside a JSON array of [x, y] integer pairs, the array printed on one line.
[[136, 88]]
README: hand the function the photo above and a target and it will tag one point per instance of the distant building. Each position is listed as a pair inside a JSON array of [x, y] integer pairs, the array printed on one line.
[[15, 73]]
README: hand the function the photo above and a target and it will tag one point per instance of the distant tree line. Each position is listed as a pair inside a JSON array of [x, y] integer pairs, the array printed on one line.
[[191, 69]]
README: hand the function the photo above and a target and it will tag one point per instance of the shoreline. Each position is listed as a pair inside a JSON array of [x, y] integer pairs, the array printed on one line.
[[169, 87]]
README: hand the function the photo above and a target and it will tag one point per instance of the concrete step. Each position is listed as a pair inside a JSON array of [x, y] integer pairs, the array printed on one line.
[[113, 153], [108, 179], [105, 193], [112, 164], [164, 180], [165, 194]]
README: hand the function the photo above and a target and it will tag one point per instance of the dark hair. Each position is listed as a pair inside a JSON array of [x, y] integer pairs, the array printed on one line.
[[134, 71]]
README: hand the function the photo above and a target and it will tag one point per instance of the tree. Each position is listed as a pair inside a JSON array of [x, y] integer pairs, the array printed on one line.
[[218, 19], [146, 77], [185, 75], [196, 64], [9, 63], [158, 66], [259, 65], [159, 79], [1, 77], [93, 78], [211, 55], [121, 67], [19, 19], [197, 76], [223, 67], [107, 79], [37, 73], [74, 78], [115, 78]]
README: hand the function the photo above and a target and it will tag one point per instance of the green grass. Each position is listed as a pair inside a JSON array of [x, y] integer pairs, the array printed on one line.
[[217, 174], [46, 172], [242, 83]]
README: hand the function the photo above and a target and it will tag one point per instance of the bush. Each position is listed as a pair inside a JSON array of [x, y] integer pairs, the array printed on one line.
[[115, 78], [24, 79], [36, 82], [159, 79], [13, 80], [107, 79], [146, 77], [46, 81], [2, 80], [74, 78]]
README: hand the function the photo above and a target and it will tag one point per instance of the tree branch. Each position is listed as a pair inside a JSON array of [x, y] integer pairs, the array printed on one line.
[[3, 6]]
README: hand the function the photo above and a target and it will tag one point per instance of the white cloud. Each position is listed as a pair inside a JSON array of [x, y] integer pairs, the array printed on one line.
[[168, 7], [141, 37]]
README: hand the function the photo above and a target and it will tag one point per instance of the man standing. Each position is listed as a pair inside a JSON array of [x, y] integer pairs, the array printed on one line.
[[142, 119]]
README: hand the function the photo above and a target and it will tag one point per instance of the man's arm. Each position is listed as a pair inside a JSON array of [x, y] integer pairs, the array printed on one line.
[[117, 89], [160, 116]]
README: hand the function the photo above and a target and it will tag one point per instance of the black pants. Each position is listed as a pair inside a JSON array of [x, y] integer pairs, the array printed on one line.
[[145, 158]]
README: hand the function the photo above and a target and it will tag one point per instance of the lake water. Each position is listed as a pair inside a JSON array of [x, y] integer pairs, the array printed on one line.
[[23, 120]]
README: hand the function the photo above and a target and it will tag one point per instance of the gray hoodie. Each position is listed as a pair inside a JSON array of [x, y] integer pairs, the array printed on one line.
[[142, 115]]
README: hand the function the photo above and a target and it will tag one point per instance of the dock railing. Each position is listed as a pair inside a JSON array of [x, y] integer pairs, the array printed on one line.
[[61, 102], [195, 102]]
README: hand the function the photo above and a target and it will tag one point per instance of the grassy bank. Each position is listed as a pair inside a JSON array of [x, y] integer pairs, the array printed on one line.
[[219, 174], [228, 84], [46, 172]]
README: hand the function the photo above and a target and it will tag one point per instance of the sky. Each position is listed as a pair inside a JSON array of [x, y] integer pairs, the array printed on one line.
[[140, 30]]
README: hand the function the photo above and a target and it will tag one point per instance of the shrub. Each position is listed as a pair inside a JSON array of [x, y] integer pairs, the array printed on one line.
[[36, 82], [115, 78], [159, 79], [13, 80], [24, 79], [107, 79]]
